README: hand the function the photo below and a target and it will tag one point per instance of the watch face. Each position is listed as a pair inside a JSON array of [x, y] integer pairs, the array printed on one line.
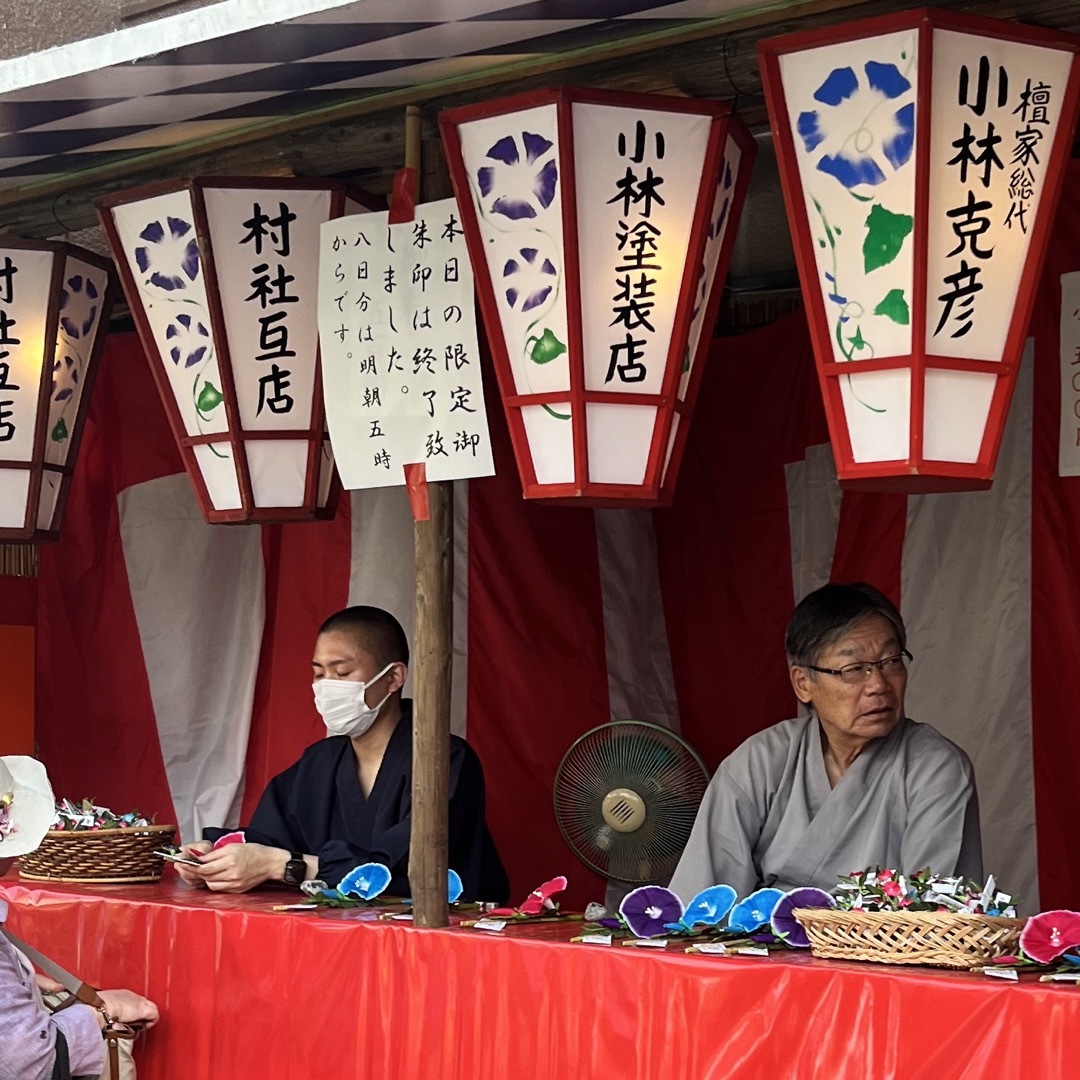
[[295, 870]]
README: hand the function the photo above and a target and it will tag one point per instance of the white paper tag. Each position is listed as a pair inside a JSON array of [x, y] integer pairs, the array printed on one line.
[[652, 943], [714, 948], [752, 950], [595, 939], [494, 925], [1008, 974], [297, 907], [1061, 977], [403, 917]]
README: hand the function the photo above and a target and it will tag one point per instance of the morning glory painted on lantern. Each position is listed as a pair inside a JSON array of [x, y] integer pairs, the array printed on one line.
[[521, 181], [169, 254]]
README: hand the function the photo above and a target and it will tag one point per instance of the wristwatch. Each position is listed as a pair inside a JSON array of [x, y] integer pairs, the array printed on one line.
[[295, 869]]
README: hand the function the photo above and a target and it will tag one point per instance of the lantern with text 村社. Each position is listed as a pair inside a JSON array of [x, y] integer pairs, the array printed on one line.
[[55, 301], [921, 156], [600, 228], [221, 277]]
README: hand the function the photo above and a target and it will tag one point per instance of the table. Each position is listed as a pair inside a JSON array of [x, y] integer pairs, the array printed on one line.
[[246, 991]]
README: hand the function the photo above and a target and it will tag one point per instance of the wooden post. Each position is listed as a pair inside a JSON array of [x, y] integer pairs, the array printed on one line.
[[432, 666]]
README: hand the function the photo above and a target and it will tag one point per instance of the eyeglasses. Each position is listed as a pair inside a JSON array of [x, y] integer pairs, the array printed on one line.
[[856, 674]]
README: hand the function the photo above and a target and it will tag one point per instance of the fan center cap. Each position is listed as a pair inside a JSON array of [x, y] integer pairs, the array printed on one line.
[[623, 810]]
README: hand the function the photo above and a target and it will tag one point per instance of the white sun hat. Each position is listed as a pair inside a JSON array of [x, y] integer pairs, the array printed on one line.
[[26, 805]]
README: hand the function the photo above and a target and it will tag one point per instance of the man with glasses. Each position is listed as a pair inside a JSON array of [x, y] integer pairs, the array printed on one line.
[[853, 784]]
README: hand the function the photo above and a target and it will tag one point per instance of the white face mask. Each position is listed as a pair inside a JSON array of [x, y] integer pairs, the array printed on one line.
[[342, 706]]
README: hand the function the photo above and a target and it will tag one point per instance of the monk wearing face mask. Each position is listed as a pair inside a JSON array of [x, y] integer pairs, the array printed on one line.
[[347, 800]]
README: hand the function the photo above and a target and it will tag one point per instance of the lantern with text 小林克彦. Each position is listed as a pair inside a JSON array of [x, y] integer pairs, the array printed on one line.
[[55, 301], [600, 227], [221, 277], [921, 156]]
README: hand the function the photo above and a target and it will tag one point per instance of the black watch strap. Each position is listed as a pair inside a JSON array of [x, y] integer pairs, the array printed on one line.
[[295, 869]]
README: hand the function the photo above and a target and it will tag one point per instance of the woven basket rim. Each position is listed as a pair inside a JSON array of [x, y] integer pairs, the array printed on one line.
[[834, 915], [129, 830]]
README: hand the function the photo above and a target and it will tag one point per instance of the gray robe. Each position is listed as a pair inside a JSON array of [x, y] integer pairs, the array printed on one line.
[[769, 817]]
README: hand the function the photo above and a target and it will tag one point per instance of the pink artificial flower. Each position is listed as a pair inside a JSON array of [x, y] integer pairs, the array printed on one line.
[[230, 838], [906, 902], [891, 888], [539, 898], [1050, 933], [885, 875]]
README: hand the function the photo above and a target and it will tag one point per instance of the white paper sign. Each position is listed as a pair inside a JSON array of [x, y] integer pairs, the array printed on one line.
[[401, 366], [1069, 341], [1009, 974], [713, 948], [492, 925], [595, 939]]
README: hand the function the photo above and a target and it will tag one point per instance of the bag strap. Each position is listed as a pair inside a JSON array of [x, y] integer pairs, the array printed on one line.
[[83, 992]]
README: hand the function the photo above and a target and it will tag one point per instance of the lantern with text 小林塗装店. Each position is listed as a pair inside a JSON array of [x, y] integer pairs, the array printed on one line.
[[921, 156], [600, 227]]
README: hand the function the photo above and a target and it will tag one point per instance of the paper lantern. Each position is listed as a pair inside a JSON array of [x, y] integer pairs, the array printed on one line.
[[600, 228], [55, 301], [221, 277], [921, 156]]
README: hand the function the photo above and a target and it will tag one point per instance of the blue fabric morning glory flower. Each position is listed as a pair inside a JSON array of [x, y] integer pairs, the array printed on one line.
[[755, 911], [365, 881], [707, 908], [454, 887]]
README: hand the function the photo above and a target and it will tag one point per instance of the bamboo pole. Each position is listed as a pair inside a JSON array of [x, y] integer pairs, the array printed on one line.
[[433, 542]]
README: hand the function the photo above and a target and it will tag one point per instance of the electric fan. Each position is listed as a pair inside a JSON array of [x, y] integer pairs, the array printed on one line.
[[626, 795]]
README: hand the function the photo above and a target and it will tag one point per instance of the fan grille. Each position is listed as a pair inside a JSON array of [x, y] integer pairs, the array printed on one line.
[[656, 766]]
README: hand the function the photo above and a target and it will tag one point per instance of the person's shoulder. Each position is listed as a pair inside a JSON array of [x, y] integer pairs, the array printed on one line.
[[318, 754], [927, 750], [767, 753]]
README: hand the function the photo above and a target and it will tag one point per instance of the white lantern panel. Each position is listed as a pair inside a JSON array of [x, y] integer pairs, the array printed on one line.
[[719, 218], [266, 261], [158, 240], [25, 288], [638, 173], [278, 470], [620, 438], [877, 405], [48, 497], [14, 491], [675, 418], [551, 442], [326, 473], [956, 408], [513, 168], [996, 109], [215, 461], [851, 108], [82, 299]]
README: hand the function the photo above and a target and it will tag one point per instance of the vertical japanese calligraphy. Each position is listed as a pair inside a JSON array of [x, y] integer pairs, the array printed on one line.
[[996, 109], [401, 364], [1069, 345]]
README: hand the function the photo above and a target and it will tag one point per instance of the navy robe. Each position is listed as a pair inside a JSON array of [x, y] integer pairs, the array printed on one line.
[[316, 807]]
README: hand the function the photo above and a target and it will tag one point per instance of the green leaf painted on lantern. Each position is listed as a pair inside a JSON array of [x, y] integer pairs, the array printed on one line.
[[894, 307], [857, 340], [885, 235], [546, 348], [209, 397], [59, 432]]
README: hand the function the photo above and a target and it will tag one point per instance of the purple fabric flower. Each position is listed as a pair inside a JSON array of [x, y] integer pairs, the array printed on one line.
[[784, 923], [528, 278], [524, 180], [755, 911], [648, 910], [170, 256], [190, 340], [79, 304]]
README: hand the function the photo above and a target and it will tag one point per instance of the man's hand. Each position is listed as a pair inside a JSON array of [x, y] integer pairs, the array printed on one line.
[[189, 874], [47, 985], [238, 867], [127, 1007]]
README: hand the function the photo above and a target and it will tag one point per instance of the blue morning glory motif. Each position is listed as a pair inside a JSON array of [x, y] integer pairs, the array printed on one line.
[[528, 278], [454, 886], [190, 340], [707, 908], [857, 135], [366, 881], [78, 302], [755, 911], [524, 180], [170, 255]]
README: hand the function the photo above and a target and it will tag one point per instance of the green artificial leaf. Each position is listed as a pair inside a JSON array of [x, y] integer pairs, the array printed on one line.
[[894, 307], [209, 398], [546, 348], [59, 432], [885, 235]]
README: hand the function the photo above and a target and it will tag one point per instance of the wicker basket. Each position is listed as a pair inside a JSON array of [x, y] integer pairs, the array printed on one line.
[[938, 938], [105, 856]]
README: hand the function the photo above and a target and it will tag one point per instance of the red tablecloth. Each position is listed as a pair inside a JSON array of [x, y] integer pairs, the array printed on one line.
[[249, 992]]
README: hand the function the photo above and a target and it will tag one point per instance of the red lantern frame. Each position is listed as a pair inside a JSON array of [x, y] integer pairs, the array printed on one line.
[[662, 469], [916, 473]]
